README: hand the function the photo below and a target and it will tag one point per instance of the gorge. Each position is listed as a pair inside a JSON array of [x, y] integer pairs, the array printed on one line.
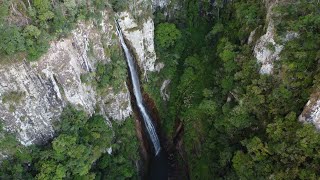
[[173, 89]]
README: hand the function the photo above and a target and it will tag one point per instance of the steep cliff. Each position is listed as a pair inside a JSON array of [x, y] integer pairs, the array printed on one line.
[[44, 87], [33, 94], [141, 39]]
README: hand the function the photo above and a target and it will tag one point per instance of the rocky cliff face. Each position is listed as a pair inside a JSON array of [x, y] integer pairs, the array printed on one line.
[[266, 49], [140, 39], [311, 112], [32, 95], [138, 29]]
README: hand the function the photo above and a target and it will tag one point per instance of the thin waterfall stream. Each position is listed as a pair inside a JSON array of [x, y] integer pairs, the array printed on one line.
[[137, 93]]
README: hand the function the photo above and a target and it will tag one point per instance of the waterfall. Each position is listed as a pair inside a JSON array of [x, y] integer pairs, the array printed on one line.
[[137, 93]]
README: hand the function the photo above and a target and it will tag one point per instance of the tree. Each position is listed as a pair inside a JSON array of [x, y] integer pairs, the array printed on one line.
[[43, 8], [71, 6], [217, 29], [11, 40], [80, 143], [31, 31], [72, 120], [227, 54], [166, 35], [121, 164], [243, 165]]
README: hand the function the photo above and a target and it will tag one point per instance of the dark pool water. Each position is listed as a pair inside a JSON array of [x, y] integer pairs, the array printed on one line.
[[159, 167]]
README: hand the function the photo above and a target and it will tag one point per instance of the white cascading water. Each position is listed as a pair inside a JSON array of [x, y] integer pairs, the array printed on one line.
[[137, 93]]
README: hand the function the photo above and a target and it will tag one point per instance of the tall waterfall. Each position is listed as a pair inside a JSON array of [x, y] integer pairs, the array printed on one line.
[[137, 93]]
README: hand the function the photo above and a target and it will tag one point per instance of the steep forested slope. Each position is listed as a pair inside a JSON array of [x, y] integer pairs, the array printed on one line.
[[230, 82], [240, 121]]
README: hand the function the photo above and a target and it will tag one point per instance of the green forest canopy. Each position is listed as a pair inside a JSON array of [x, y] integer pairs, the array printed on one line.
[[239, 123], [78, 151], [27, 27]]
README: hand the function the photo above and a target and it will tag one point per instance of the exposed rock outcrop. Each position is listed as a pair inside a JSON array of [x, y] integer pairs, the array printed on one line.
[[42, 89], [163, 90], [140, 39], [49, 84], [311, 112], [266, 49], [31, 118]]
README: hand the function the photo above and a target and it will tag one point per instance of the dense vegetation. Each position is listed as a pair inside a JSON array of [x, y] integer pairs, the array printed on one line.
[[83, 147], [239, 123], [26, 27], [80, 151]]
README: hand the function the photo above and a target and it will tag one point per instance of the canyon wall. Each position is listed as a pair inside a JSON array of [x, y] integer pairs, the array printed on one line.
[[33, 94]]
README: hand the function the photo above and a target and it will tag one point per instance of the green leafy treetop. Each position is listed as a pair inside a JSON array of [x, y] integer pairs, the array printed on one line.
[[167, 34]]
